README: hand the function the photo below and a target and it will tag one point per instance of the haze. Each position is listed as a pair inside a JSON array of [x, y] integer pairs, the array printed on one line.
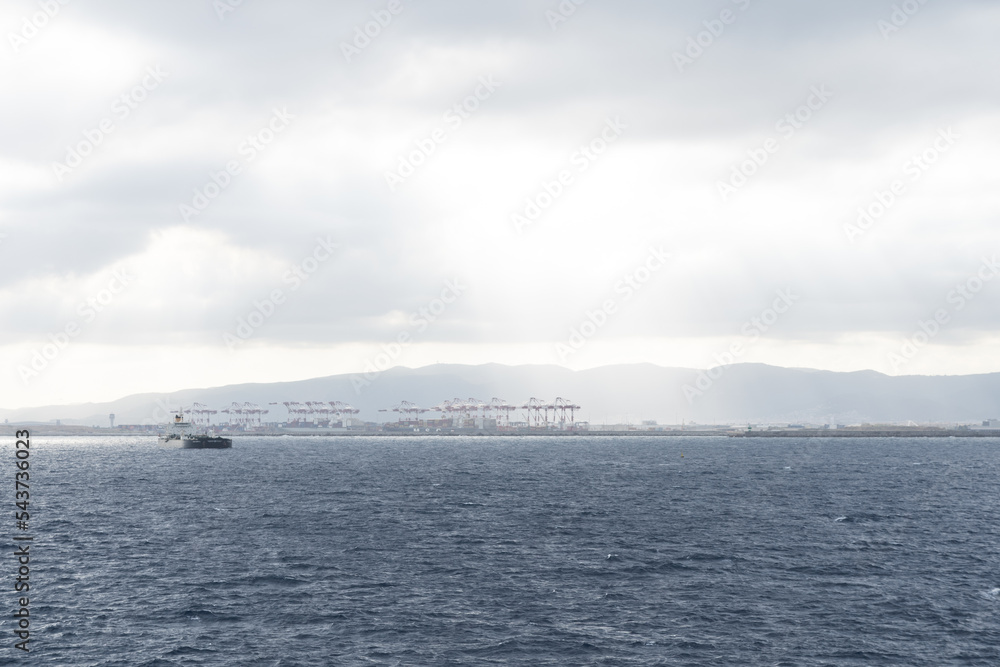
[[686, 184]]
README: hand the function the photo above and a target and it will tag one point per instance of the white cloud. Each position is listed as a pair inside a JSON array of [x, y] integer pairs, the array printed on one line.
[[658, 185]]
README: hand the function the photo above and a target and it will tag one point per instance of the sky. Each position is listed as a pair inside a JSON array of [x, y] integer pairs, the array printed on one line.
[[203, 192]]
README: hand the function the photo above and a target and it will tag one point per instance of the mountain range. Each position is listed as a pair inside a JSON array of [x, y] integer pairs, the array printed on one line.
[[738, 393]]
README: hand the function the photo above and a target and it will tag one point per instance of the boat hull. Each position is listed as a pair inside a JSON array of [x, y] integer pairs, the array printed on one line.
[[196, 442]]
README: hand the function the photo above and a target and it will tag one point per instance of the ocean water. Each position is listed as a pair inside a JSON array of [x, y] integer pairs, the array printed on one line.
[[511, 551]]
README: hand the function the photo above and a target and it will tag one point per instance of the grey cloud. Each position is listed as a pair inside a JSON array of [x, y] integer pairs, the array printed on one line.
[[609, 58]]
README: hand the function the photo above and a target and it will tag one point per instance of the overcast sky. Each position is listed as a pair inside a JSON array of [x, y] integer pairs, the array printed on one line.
[[582, 185]]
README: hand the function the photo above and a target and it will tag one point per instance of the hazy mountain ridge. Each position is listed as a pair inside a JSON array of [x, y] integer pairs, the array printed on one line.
[[741, 393]]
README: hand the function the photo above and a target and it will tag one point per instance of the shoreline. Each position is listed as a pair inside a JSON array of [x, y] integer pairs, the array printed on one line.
[[806, 433]]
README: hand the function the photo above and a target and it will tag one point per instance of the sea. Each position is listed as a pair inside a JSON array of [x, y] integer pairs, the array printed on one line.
[[508, 551]]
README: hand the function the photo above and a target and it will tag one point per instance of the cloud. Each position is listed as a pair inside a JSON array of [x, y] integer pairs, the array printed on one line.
[[325, 174]]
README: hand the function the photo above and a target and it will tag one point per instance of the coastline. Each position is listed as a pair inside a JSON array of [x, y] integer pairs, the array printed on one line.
[[70, 431]]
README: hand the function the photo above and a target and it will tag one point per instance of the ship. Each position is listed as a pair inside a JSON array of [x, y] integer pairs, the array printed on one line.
[[182, 435]]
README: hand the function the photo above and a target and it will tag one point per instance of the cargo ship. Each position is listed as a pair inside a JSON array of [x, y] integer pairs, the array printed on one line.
[[183, 436]]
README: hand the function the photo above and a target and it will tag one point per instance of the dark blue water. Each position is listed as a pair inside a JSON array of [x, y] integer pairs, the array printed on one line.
[[532, 551]]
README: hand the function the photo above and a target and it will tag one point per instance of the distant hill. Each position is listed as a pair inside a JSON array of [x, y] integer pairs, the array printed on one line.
[[741, 393]]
